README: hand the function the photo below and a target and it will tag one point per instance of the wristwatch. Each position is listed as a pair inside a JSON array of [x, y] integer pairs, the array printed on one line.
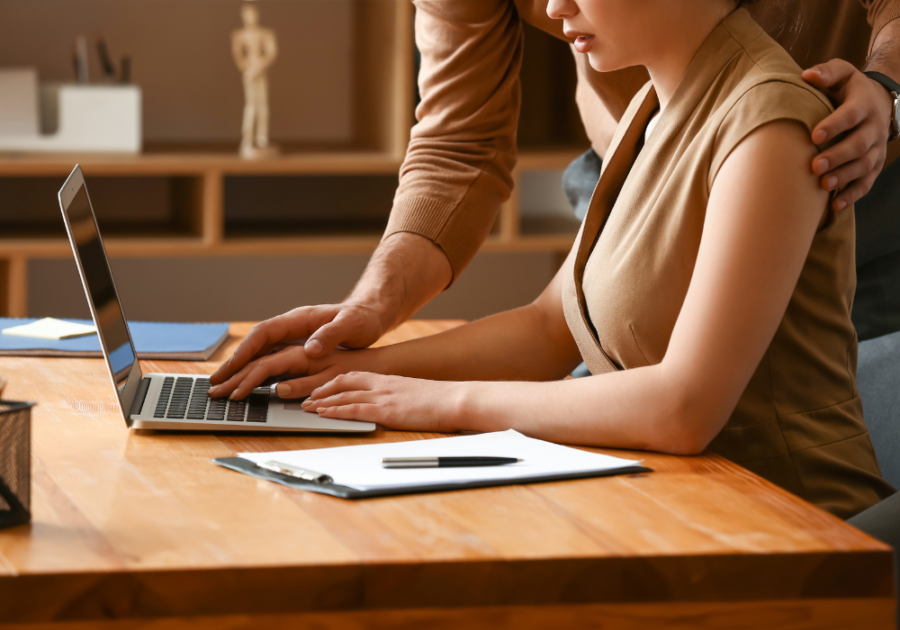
[[893, 89]]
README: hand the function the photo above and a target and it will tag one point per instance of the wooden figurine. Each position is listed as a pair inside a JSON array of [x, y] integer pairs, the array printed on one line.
[[254, 49]]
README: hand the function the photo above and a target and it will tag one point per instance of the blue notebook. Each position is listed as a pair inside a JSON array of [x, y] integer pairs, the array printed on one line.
[[152, 340]]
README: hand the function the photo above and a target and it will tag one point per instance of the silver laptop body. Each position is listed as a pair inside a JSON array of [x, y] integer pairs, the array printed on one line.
[[166, 401]]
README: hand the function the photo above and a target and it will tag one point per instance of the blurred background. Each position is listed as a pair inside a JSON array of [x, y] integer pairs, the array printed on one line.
[[195, 232]]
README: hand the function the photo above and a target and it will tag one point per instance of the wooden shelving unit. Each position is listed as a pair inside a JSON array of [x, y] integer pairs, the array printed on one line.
[[200, 187]]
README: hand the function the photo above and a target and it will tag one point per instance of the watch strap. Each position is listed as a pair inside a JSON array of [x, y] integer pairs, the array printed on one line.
[[894, 89], [889, 84]]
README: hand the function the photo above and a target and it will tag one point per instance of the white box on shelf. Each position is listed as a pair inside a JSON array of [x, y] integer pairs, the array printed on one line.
[[84, 118], [18, 101]]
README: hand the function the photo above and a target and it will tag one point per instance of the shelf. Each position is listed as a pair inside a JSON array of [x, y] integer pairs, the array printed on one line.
[[554, 243], [283, 205], [550, 225], [194, 162], [548, 159], [264, 246]]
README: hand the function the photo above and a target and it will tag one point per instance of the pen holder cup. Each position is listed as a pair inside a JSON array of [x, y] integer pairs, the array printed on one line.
[[15, 463]]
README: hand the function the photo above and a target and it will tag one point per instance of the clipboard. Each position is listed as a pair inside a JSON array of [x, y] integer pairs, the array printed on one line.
[[325, 487]]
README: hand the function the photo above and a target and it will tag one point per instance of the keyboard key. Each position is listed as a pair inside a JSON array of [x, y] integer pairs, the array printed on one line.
[[165, 392], [236, 410], [180, 395], [216, 410], [258, 408], [196, 409]]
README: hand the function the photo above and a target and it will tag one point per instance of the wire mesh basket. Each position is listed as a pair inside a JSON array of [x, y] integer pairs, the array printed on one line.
[[15, 463]]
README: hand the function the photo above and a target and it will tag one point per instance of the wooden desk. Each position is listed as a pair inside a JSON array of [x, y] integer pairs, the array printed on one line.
[[140, 530]]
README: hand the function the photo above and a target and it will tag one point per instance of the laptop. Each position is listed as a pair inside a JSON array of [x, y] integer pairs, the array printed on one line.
[[166, 401]]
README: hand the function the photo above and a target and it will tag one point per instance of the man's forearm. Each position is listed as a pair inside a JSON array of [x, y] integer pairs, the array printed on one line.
[[885, 55], [885, 58], [404, 274]]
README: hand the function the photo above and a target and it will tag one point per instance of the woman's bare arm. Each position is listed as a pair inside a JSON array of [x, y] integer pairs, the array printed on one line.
[[531, 343]]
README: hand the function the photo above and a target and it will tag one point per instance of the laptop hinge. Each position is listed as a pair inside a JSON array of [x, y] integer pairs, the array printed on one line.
[[139, 397]]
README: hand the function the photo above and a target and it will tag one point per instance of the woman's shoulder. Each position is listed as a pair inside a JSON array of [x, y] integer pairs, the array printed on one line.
[[764, 75], [765, 100], [762, 84]]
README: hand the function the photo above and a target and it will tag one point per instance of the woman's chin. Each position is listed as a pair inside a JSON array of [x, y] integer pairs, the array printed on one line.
[[603, 63]]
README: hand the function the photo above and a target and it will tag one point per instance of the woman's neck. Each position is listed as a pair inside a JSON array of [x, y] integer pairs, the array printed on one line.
[[667, 68]]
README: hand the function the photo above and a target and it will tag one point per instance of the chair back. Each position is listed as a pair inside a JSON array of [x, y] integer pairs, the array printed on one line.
[[878, 379]]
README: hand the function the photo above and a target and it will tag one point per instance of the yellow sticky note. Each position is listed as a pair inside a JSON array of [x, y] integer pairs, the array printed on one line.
[[51, 328]]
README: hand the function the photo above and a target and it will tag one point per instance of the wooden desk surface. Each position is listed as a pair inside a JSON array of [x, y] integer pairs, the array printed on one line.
[[140, 530]]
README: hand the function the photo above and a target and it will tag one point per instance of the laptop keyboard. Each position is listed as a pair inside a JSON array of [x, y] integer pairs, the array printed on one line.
[[185, 397]]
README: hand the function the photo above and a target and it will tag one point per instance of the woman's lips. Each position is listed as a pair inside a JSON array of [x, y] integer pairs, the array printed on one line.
[[583, 43]]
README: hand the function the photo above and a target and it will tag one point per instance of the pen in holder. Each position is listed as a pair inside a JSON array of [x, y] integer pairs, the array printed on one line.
[[15, 463]]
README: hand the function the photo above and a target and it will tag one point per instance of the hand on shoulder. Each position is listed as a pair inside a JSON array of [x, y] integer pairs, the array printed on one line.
[[863, 113]]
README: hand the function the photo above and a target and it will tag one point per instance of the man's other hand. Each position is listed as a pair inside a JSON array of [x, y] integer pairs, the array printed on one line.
[[324, 327], [863, 110]]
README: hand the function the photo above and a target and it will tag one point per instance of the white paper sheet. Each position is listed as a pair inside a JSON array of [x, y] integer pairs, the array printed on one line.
[[360, 467], [51, 328]]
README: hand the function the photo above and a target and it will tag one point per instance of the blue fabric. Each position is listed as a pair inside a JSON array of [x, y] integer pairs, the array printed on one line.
[[878, 377], [149, 337], [579, 180]]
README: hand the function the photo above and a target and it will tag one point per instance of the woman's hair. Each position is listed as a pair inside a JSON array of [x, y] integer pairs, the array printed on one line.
[[789, 18]]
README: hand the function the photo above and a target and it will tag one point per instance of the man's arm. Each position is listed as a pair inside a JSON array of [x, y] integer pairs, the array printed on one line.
[[458, 166], [863, 113], [404, 274], [456, 174]]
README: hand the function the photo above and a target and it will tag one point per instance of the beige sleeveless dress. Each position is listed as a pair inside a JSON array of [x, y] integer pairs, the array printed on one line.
[[799, 423]]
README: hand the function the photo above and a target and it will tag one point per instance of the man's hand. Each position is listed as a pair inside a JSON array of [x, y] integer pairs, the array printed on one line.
[[863, 110], [350, 325]]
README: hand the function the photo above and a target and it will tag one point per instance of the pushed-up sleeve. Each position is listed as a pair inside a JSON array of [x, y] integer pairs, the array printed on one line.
[[880, 12], [462, 149]]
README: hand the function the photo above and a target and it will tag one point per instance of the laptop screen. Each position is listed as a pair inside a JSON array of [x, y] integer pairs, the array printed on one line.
[[101, 291]]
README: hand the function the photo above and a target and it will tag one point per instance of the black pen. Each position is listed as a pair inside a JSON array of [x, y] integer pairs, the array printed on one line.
[[445, 462]]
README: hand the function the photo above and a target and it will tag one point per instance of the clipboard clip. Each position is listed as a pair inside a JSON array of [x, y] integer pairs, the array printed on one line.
[[296, 472]]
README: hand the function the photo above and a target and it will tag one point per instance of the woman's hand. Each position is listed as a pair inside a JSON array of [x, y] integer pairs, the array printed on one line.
[[394, 402], [864, 113]]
